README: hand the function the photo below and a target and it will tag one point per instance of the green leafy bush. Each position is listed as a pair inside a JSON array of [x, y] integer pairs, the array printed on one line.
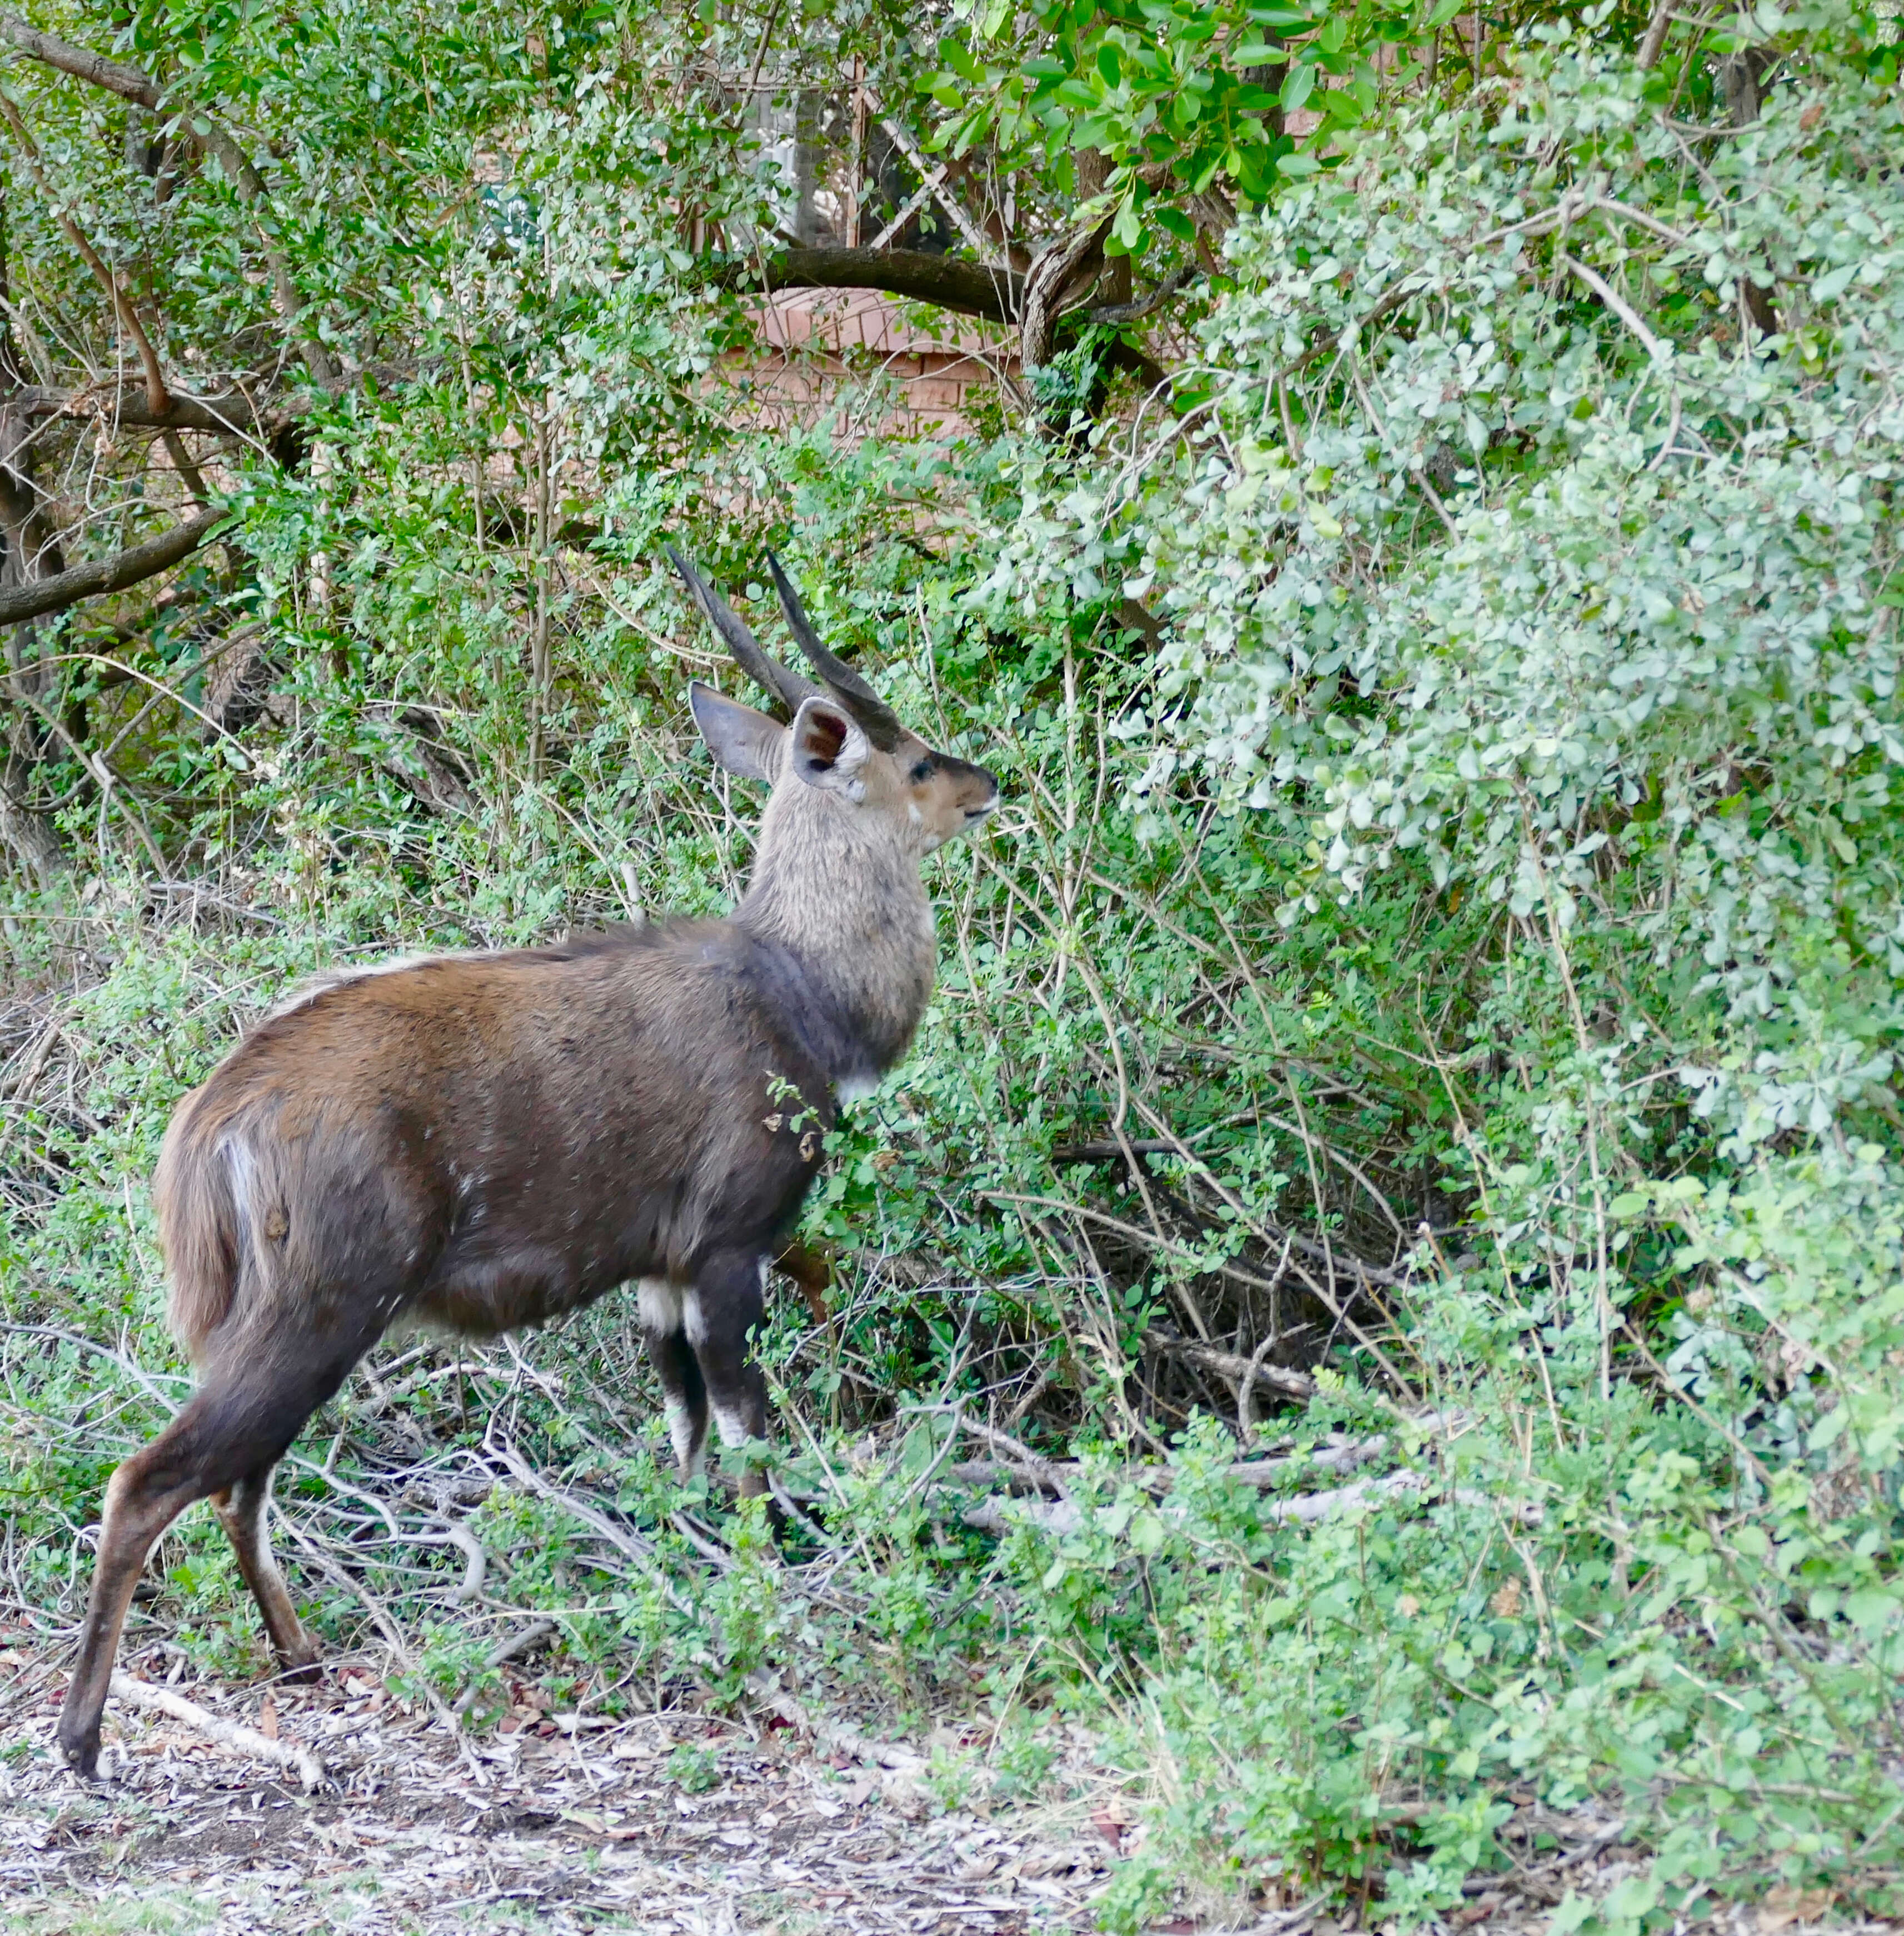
[[1513, 567]]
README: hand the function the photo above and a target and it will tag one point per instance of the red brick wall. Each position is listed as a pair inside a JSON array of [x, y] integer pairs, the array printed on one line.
[[816, 343]]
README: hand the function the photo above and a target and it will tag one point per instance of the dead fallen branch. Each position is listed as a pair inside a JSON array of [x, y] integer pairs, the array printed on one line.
[[1058, 1476], [511, 1647], [998, 1472], [1062, 1517], [232, 1734], [1227, 1365], [1023, 1464], [765, 1689]]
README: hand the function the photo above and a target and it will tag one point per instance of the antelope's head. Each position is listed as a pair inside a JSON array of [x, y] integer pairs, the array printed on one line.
[[839, 736]]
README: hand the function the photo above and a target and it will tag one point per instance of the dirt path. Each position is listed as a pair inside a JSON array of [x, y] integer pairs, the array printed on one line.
[[550, 1828], [673, 1823]]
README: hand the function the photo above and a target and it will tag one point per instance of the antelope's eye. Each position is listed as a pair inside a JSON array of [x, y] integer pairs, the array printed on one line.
[[923, 771]]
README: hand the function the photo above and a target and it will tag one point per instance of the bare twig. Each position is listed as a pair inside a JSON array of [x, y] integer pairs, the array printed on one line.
[[623, 1542], [232, 1734], [508, 1648], [1660, 352]]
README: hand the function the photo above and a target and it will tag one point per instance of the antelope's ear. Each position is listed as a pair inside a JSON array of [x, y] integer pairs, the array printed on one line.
[[829, 749], [748, 743]]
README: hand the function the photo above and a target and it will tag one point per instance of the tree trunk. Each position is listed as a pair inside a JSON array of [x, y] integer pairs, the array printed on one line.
[[1741, 75]]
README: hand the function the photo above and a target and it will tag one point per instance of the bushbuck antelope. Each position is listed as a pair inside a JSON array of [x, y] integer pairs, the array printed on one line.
[[477, 1142]]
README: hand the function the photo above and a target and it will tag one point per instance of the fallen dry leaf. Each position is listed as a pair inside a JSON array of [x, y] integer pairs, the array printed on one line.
[[1784, 1906]]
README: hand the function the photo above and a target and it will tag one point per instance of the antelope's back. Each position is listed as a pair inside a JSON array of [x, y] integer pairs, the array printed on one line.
[[483, 1141]]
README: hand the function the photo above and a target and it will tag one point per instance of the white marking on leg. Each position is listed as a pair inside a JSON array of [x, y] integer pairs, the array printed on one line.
[[733, 1424], [693, 1319], [660, 1305], [856, 1088], [681, 1430]]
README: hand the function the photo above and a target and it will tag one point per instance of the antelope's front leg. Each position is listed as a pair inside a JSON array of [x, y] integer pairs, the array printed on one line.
[[727, 1305]]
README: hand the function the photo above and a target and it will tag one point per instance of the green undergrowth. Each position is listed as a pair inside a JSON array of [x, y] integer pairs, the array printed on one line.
[[1668, 1597]]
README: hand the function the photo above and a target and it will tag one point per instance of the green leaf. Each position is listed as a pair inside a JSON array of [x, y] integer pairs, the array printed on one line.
[[1871, 1609], [1829, 287], [1297, 85], [959, 59], [1574, 1912]]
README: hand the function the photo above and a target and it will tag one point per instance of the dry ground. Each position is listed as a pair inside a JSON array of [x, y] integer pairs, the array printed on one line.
[[565, 1826], [550, 1828]]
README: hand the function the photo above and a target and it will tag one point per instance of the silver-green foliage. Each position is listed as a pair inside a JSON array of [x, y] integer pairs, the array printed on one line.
[[1498, 537], [1510, 565]]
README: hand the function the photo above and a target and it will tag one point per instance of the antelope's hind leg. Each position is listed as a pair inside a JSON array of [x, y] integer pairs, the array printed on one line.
[[242, 1507], [684, 1396], [233, 1430]]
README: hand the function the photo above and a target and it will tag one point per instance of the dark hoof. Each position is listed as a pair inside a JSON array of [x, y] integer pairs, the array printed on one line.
[[82, 1754]]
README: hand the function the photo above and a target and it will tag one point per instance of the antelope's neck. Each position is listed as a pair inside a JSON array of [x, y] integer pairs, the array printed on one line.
[[853, 914]]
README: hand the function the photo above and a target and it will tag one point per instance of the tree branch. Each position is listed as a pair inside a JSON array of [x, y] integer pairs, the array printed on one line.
[[232, 414], [130, 567], [1061, 278], [968, 288], [1658, 351], [80, 62], [199, 127], [1653, 45]]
